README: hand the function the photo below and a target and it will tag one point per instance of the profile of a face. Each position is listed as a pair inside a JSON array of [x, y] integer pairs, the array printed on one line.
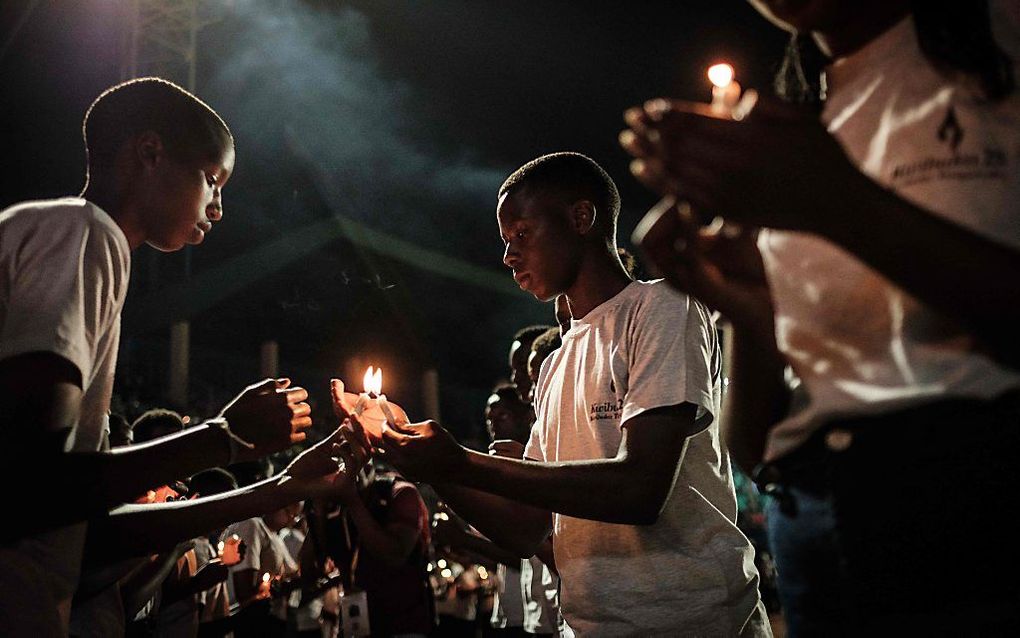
[[519, 368]]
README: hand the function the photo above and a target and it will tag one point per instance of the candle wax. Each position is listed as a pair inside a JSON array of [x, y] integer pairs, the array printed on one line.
[[372, 415]]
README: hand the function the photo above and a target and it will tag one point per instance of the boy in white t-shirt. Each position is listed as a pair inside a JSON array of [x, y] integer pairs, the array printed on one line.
[[626, 468], [158, 159]]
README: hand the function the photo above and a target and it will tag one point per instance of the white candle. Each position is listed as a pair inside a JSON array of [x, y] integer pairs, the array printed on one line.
[[372, 407], [385, 406], [362, 403], [725, 92]]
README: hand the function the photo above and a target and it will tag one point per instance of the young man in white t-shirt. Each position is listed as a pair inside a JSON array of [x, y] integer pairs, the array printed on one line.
[[626, 469], [158, 159], [885, 276]]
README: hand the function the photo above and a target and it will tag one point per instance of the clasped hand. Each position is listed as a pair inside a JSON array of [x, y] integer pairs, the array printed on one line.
[[776, 167]]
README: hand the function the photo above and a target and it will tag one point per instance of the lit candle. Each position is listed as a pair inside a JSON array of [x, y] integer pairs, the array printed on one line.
[[725, 91], [726, 103], [230, 550], [372, 407], [385, 406], [264, 586]]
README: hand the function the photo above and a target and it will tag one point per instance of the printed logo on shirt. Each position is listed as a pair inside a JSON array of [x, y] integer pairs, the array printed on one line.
[[989, 162], [602, 410], [950, 130]]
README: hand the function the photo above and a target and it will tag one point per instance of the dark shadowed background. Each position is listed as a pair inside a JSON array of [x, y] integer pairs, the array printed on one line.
[[371, 137]]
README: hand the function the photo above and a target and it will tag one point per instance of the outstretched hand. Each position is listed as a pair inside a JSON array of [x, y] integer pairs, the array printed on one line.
[[269, 415], [774, 168], [424, 451]]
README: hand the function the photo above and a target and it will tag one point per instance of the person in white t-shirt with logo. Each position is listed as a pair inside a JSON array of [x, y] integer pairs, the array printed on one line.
[[627, 470], [887, 280]]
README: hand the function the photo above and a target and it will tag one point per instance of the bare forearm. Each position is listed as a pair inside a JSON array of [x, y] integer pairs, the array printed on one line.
[[510, 524], [101, 480], [129, 471], [487, 549], [609, 490], [757, 398], [140, 586], [138, 529], [545, 554], [957, 272]]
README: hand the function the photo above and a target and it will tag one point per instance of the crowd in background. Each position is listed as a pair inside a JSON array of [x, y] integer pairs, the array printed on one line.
[[859, 238]]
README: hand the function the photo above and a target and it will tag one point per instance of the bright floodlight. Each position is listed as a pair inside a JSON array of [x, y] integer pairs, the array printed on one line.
[[720, 74]]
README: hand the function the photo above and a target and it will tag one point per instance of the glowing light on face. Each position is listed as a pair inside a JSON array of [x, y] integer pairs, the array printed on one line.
[[720, 74]]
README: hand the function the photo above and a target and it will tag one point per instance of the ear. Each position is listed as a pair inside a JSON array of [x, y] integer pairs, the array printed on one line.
[[582, 216], [148, 148]]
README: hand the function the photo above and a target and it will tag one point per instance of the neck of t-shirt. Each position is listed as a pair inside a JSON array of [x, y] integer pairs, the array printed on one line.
[[876, 54], [602, 308]]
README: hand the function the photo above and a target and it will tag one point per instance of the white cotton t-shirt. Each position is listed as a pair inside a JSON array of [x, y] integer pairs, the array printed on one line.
[[861, 345], [266, 554], [508, 601], [540, 587], [692, 572], [64, 270]]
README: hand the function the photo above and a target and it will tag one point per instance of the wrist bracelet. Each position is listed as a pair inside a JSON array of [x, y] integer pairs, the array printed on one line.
[[236, 442]]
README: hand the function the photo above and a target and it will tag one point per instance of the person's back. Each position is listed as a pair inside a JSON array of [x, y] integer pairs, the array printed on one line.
[[646, 347], [399, 599]]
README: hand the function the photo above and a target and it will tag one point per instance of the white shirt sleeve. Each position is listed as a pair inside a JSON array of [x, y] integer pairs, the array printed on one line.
[[533, 450], [65, 292], [672, 356], [250, 533]]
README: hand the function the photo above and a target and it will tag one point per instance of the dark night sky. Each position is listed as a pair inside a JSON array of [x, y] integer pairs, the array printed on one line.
[[402, 116]]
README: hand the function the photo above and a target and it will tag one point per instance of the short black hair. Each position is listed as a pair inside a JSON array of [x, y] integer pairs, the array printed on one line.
[[507, 392], [120, 430], [215, 480], [190, 129], [576, 177], [528, 334], [546, 343], [156, 423], [250, 472]]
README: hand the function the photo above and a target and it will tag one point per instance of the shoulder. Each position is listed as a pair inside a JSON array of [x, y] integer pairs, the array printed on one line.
[[58, 222], [246, 529], [406, 493], [406, 505], [657, 303]]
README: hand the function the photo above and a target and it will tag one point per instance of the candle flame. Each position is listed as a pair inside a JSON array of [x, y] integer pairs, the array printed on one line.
[[720, 75], [265, 577], [373, 380]]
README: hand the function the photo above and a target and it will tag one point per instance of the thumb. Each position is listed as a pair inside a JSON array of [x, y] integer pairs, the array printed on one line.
[[268, 385], [336, 391]]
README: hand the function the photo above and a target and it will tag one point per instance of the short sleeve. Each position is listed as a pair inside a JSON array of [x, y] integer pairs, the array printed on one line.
[[672, 355], [533, 450], [66, 285], [249, 533], [406, 507]]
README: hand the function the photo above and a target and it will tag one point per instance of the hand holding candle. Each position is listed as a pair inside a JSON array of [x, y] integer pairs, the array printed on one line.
[[231, 550], [264, 587], [371, 407]]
